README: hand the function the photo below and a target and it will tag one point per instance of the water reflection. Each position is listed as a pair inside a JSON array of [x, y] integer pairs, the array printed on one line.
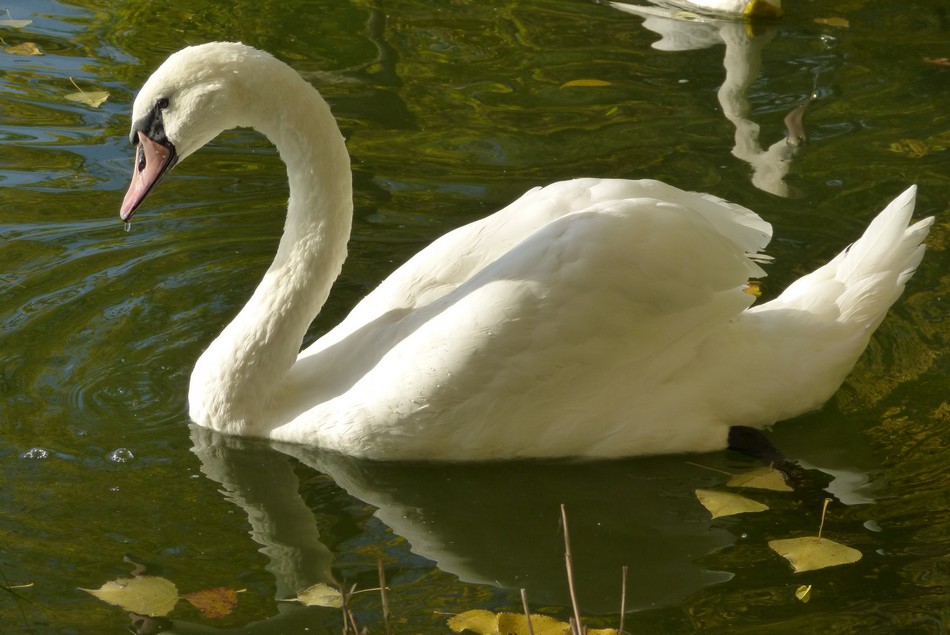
[[495, 524], [683, 31], [498, 524]]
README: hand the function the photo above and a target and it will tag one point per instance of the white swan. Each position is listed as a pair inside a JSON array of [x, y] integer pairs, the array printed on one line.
[[594, 317]]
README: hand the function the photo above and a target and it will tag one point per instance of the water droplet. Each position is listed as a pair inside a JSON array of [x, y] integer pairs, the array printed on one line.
[[121, 455], [128, 226], [35, 453]]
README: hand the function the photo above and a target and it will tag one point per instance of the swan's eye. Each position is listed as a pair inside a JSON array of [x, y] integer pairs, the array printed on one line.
[[162, 103]]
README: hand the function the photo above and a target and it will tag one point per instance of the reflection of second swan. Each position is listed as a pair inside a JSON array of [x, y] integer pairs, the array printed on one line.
[[742, 58]]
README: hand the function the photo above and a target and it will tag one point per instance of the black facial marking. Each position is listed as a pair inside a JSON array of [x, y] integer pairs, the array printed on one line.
[[152, 125]]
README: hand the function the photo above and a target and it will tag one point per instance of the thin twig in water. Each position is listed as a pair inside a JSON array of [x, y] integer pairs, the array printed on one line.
[[527, 613], [569, 564], [349, 620], [623, 598], [343, 609], [382, 593]]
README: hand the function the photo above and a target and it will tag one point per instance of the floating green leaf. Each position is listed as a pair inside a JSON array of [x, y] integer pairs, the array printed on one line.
[[727, 504], [146, 595], [812, 552]]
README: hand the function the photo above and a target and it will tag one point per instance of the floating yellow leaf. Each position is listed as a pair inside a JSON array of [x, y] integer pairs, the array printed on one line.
[[761, 478], [484, 622], [727, 504], [838, 23], [803, 593], [24, 48], [319, 594], [477, 620], [939, 61], [517, 624], [587, 83], [16, 24], [214, 603], [146, 595], [94, 98], [812, 552]]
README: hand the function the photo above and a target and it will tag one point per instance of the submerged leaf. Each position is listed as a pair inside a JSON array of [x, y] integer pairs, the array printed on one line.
[[94, 98], [319, 594], [761, 478], [586, 83], [16, 24], [812, 552], [913, 148], [25, 48], [838, 23], [215, 602], [148, 595], [727, 504]]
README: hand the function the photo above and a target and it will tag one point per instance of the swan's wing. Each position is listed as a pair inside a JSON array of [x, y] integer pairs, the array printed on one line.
[[457, 256], [569, 328]]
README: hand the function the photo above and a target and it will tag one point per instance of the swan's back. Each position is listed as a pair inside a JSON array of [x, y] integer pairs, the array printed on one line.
[[457, 256]]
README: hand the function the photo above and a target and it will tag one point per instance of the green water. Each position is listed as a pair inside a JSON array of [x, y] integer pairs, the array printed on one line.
[[451, 109]]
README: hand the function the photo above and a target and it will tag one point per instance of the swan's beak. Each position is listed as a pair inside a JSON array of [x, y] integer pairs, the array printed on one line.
[[152, 161]]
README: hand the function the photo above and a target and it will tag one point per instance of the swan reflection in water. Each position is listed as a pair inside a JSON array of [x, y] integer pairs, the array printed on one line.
[[742, 59], [490, 523], [495, 524]]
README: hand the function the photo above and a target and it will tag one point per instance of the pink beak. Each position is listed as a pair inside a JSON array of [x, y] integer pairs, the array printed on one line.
[[152, 160]]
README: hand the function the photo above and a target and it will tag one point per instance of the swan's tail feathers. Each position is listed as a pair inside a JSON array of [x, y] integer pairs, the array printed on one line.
[[865, 279]]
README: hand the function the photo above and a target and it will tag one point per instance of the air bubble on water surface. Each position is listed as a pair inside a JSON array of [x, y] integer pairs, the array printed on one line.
[[121, 455]]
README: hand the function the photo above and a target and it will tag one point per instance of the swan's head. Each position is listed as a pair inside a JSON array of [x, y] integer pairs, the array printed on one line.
[[196, 94]]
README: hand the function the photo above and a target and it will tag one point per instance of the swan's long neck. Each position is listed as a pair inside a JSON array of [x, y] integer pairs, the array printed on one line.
[[241, 370]]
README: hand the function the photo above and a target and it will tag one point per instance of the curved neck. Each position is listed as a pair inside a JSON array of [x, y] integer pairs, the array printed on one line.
[[243, 367]]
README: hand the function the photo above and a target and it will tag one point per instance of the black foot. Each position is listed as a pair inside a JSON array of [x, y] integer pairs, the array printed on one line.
[[753, 442]]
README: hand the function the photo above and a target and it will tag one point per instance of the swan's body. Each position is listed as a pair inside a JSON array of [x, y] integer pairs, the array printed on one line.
[[593, 317]]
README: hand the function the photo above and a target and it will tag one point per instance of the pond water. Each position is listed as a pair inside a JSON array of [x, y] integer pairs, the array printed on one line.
[[452, 109]]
